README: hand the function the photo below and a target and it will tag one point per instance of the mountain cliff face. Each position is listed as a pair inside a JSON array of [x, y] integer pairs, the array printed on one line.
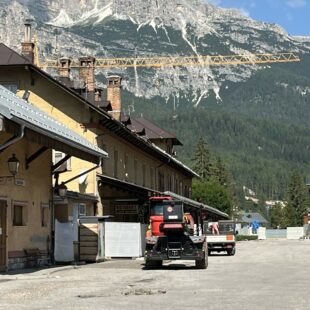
[[155, 27], [277, 93]]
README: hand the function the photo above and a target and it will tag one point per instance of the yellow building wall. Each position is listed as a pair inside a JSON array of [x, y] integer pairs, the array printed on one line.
[[62, 106], [112, 144], [33, 195], [73, 113]]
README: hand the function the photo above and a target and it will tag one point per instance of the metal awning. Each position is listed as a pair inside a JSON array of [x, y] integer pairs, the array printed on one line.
[[128, 186], [44, 129], [197, 204]]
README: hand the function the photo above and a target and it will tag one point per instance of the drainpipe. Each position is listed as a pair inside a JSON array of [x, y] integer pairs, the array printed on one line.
[[13, 140]]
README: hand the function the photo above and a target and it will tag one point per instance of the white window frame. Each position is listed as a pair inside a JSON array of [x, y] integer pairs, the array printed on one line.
[[82, 209], [65, 165]]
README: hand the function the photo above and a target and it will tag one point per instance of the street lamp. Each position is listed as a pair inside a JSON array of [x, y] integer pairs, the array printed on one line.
[[13, 164], [62, 190]]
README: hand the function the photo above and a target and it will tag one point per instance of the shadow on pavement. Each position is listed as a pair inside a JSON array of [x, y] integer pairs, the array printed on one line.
[[33, 270]]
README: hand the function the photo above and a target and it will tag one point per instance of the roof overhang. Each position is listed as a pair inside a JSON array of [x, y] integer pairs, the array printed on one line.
[[198, 205], [41, 128], [127, 186]]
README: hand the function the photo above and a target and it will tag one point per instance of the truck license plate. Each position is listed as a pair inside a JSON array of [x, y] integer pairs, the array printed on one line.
[[174, 254]]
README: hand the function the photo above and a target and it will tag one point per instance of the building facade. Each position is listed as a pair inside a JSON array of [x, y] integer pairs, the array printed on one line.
[[28, 137]]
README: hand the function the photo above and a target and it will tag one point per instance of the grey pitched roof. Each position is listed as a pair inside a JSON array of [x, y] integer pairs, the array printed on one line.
[[249, 217], [19, 110], [152, 131], [10, 57], [174, 160]]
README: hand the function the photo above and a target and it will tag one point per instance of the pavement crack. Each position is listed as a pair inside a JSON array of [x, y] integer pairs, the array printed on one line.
[[143, 291]]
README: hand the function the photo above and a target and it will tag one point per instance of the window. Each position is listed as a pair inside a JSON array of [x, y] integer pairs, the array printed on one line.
[[44, 214], [126, 163], [58, 156], [169, 182], [82, 209], [143, 174], [19, 215], [161, 181], [152, 177], [186, 193], [115, 163], [136, 170], [104, 160], [168, 149], [176, 188]]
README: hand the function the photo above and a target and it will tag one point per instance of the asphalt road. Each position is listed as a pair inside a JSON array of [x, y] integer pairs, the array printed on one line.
[[262, 275]]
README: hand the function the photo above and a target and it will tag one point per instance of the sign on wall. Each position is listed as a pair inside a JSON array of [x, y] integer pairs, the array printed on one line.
[[126, 208]]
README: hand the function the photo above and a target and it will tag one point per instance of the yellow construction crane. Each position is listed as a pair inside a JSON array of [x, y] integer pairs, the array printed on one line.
[[181, 61]]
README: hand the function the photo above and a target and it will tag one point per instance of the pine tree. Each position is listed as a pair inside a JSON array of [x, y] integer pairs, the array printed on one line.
[[298, 200], [202, 160], [277, 216], [213, 194], [221, 173]]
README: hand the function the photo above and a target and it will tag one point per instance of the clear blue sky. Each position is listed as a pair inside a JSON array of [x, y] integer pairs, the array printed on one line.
[[292, 15]]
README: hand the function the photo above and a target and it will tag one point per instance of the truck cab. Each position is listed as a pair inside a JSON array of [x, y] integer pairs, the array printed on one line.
[[222, 238]]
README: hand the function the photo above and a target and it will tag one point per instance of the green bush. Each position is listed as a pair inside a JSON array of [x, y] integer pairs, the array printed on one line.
[[245, 238]]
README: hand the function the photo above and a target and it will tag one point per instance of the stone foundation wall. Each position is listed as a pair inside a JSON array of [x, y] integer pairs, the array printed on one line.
[[28, 259]]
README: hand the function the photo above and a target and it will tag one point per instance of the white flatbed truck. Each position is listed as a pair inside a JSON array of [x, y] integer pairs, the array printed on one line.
[[225, 240]]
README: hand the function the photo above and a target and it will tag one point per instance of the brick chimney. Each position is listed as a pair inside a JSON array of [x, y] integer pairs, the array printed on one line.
[[97, 95], [114, 95], [64, 68], [27, 45], [87, 72]]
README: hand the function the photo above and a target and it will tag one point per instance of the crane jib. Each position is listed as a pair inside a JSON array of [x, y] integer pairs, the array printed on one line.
[[182, 61]]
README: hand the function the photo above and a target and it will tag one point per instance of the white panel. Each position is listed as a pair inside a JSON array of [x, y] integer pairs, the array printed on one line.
[[261, 233], [122, 239], [63, 242], [295, 233]]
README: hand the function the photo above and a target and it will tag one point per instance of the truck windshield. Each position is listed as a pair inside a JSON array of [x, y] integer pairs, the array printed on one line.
[[157, 209], [227, 227]]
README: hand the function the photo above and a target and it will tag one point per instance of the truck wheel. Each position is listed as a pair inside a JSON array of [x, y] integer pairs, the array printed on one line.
[[201, 263], [231, 252]]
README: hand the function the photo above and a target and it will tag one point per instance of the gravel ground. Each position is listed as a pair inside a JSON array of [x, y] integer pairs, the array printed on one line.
[[272, 274]]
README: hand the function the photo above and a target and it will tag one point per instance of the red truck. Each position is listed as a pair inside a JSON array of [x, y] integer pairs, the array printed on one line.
[[171, 235]]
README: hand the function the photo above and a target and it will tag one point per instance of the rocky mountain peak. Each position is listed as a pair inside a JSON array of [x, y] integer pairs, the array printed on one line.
[[119, 28]]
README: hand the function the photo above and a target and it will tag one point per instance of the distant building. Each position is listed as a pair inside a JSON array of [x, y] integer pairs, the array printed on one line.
[[246, 218]]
